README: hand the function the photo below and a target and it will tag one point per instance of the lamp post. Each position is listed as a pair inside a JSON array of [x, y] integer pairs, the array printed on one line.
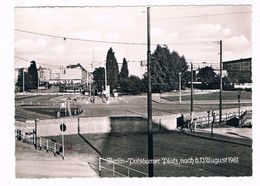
[[213, 120], [208, 116], [238, 99], [191, 88], [106, 81], [180, 86], [38, 81], [23, 81]]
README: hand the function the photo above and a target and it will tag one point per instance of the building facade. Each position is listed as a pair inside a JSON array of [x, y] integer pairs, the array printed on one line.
[[44, 74], [239, 71], [72, 74]]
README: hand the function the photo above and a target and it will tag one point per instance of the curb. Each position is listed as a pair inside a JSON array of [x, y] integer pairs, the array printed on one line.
[[216, 139]]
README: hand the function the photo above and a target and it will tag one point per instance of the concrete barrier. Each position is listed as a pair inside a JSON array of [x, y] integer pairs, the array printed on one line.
[[168, 122], [51, 127], [87, 125]]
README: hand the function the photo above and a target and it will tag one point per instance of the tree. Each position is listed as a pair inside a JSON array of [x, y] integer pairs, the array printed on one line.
[[165, 68], [112, 70], [123, 77], [124, 73], [32, 78], [134, 85], [20, 82], [99, 78], [206, 75]]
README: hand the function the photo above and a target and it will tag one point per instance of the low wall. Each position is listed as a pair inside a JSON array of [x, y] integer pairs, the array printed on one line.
[[132, 124], [87, 125], [169, 122], [51, 127]]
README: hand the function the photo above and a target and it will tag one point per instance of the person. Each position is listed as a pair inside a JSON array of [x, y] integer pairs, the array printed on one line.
[[194, 123], [182, 120], [190, 125]]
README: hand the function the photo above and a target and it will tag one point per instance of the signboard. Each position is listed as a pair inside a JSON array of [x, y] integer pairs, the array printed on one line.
[[62, 127]]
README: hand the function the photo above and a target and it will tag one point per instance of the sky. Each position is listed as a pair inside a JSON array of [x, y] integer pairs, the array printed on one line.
[[191, 31]]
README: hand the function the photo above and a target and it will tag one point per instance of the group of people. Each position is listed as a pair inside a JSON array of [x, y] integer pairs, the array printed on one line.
[[190, 123]]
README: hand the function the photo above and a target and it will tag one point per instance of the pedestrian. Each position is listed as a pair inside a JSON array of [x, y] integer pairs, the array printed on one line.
[[194, 123]]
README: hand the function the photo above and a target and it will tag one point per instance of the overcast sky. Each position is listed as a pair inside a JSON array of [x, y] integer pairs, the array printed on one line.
[[181, 28]]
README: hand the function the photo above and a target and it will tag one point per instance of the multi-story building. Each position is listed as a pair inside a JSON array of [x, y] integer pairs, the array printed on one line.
[[73, 74], [239, 71], [197, 66], [16, 73], [214, 66], [44, 74]]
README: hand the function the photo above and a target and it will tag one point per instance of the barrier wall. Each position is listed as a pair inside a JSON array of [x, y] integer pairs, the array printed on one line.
[[132, 124], [87, 125], [51, 127], [169, 122]]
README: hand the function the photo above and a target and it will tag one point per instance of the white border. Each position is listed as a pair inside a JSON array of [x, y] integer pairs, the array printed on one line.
[[7, 95]]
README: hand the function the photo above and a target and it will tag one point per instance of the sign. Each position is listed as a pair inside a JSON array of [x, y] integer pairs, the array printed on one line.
[[62, 127]]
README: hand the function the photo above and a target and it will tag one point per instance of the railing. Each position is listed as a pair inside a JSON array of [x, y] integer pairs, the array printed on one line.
[[205, 120], [114, 169], [40, 142]]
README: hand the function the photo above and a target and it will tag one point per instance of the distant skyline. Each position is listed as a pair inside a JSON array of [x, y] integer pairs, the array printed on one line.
[[185, 29]]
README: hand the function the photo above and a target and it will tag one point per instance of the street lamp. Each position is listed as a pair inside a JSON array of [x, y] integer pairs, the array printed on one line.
[[106, 81], [38, 80], [24, 70], [238, 99], [23, 81], [180, 85]]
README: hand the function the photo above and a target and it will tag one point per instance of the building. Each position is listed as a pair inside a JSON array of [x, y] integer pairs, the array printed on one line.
[[215, 66], [239, 71], [16, 73], [71, 74], [74, 74], [71, 78], [197, 66], [44, 74]]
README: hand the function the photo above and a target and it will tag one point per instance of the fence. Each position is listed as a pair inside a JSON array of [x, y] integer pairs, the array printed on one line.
[[117, 167], [43, 103], [207, 120], [39, 142]]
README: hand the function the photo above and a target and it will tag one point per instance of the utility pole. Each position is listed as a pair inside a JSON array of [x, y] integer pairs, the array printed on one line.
[[180, 85], [62, 139], [220, 83], [191, 88], [90, 79], [106, 80], [90, 82], [23, 81], [149, 99], [35, 133], [238, 99], [38, 82]]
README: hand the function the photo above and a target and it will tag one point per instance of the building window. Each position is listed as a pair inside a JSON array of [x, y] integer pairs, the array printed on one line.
[[64, 72]]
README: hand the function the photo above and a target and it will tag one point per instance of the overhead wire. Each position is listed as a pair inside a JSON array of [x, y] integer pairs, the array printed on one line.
[[111, 42]]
